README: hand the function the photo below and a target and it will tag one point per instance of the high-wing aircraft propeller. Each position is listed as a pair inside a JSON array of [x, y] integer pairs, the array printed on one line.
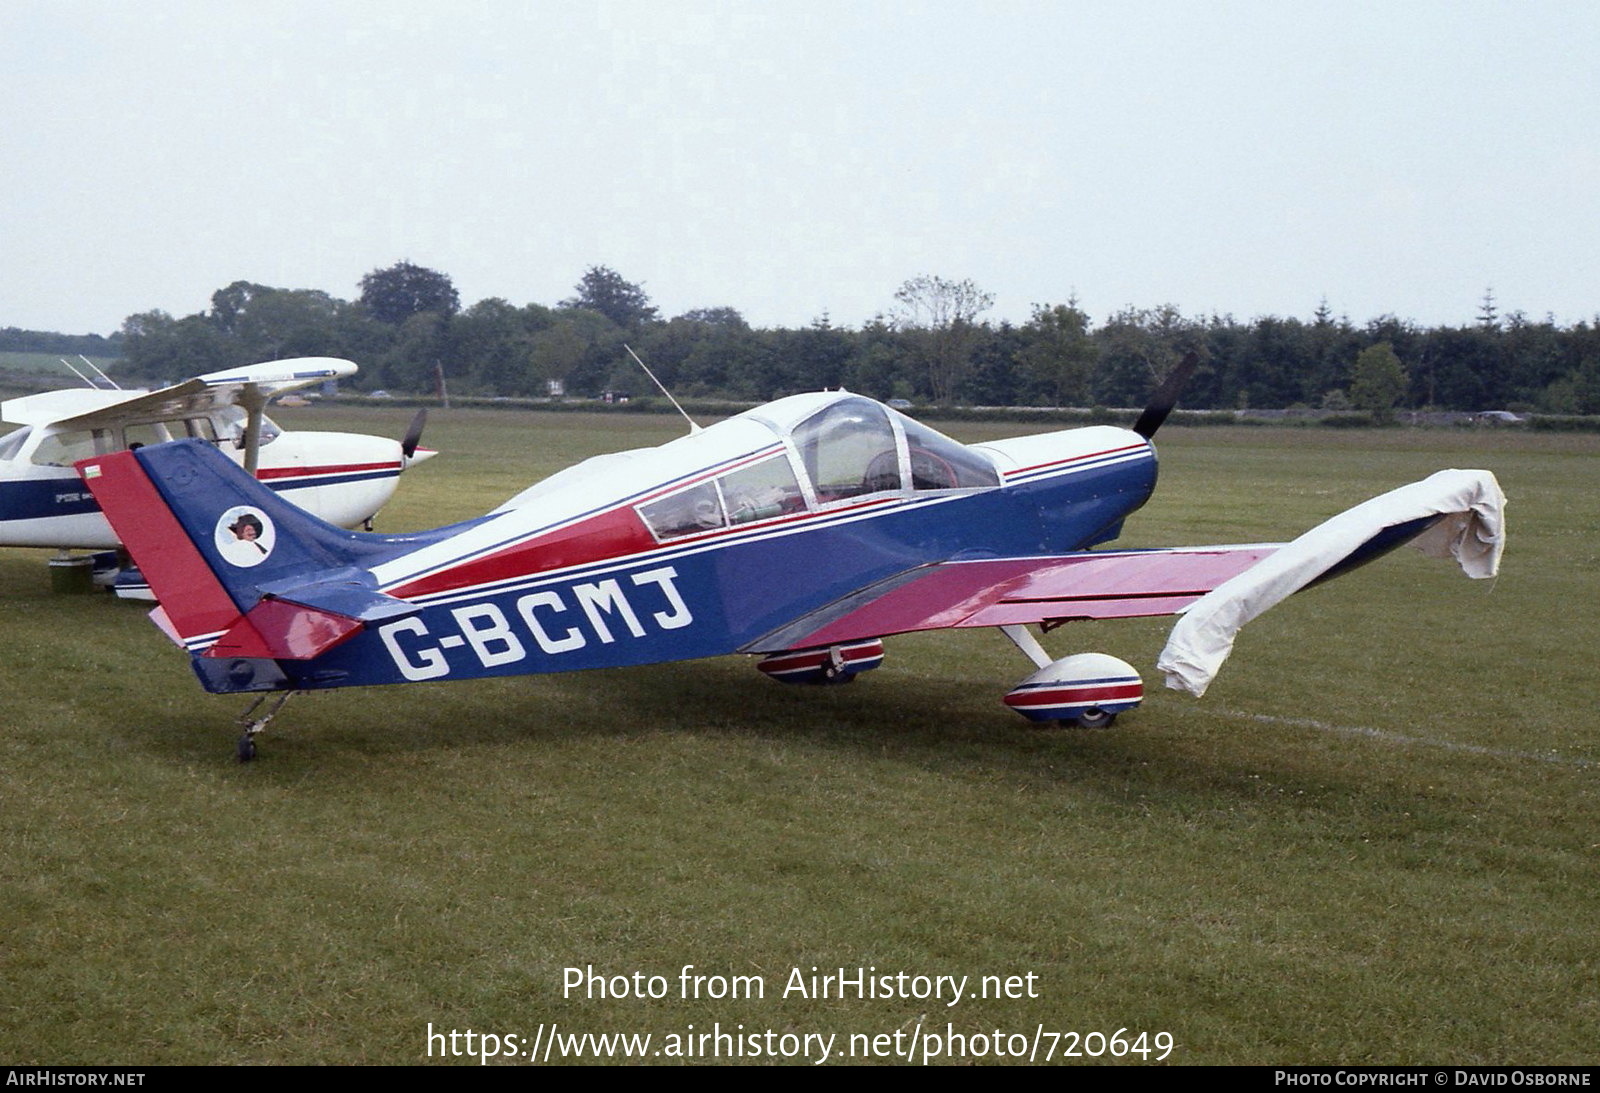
[[413, 437], [1166, 396]]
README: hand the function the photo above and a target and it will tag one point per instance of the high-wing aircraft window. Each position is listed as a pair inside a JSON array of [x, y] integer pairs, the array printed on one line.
[[201, 428], [939, 463], [849, 450], [65, 449], [761, 491], [150, 433], [230, 421], [685, 512]]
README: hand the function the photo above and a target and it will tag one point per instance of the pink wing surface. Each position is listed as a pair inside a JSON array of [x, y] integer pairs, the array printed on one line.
[[1012, 591]]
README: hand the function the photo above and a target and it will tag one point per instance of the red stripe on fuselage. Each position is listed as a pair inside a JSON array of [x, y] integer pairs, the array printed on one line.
[[598, 538], [194, 600], [266, 473], [606, 535], [1075, 459]]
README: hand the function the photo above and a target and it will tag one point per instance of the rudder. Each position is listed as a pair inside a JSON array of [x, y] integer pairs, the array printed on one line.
[[210, 538]]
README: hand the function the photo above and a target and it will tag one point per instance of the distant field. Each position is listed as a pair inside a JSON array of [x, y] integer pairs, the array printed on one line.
[[45, 369], [1373, 841]]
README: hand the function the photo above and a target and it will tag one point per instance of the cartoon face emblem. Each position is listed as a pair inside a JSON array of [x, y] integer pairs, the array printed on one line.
[[244, 536]]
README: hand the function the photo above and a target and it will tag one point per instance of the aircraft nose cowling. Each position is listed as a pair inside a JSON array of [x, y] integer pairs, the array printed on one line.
[[344, 478]]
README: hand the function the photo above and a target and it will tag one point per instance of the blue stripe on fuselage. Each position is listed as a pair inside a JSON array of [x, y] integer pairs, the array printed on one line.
[[284, 485], [41, 498]]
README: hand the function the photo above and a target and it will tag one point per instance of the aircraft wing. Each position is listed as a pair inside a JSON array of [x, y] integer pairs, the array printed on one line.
[[1452, 514], [275, 377], [254, 383], [1011, 591]]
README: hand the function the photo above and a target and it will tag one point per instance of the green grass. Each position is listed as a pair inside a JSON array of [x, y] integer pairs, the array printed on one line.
[[1372, 841]]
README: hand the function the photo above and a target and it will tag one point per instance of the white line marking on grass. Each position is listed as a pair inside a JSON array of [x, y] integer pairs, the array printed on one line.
[[1399, 738]]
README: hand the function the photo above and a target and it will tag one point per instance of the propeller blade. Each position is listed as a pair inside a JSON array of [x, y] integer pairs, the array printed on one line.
[[1166, 397], [413, 437]]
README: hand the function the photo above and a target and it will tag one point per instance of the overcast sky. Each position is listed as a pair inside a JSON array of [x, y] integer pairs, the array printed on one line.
[[796, 159]]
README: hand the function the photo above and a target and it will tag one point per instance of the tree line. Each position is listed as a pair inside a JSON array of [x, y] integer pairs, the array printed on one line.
[[16, 340], [407, 330]]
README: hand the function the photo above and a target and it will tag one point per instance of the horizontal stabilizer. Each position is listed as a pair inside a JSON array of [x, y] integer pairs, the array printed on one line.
[[280, 630], [345, 592], [308, 619], [1451, 514]]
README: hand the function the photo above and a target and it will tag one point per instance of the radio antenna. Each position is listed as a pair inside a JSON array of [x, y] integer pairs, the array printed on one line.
[[111, 383], [68, 366], [693, 428], [104, 383]]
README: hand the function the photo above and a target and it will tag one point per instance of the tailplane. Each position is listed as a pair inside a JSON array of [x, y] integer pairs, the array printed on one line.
[[239, 571]]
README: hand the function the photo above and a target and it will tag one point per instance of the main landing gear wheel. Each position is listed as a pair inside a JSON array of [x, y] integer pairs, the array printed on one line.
[[1087, 690], [835, 673]]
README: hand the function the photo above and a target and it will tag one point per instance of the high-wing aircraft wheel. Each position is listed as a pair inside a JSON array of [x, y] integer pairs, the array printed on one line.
[[247, 748], [1095, 718]]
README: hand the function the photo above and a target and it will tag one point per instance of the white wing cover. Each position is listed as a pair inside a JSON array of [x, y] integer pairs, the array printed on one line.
[[1472, 532]]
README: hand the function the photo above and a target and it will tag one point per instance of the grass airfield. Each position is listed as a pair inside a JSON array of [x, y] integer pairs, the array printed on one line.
[[1373, 841]]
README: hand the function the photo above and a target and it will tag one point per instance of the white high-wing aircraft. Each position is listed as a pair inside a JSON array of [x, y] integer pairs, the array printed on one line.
[[344, 478]]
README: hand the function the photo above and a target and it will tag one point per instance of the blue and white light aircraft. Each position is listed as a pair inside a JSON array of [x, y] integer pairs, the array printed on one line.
[[802, 532], [345, 478]]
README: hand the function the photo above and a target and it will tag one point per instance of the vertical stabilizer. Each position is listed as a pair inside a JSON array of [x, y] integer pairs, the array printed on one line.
[[210, 539]]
